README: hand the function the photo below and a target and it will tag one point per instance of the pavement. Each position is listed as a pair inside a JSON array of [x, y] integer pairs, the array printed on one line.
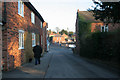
[[60, 62], [29, 70]]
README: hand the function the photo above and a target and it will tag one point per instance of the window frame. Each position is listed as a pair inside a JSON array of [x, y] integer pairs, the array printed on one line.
[[32, 17], [21, 8], [41, 25], [105, 28], [33, 39], [21, 39]]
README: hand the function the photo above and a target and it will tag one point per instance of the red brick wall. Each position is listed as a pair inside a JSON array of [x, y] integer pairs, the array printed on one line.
[[113, 27], [45, 36], [58, 39], [12, 56], [0, 51], [97, 26]]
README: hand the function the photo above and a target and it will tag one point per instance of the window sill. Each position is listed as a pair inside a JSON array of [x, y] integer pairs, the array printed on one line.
[[33, 45], [21, 15], [20, 48]]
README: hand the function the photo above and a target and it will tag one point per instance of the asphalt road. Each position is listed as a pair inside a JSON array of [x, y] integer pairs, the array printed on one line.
[[59, 62], [64, 64]]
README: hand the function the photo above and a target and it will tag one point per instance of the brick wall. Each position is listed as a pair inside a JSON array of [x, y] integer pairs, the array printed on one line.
[[77, 50], [12, 56], [111, 27], [0, 39], [45, 36], [0, 51], [58, 39]]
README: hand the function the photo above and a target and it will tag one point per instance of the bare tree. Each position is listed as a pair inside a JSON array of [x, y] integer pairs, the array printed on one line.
[[57, 29]]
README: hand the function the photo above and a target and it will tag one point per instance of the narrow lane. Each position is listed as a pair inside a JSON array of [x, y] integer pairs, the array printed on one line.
[[64, 64]]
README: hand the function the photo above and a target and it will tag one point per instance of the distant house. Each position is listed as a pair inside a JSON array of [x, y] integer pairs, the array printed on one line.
[[95, 25], [52, 34], [65, 36], [22, 29], [58, 38]]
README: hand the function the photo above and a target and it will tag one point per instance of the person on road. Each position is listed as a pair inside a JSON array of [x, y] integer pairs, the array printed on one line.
[[37, 54]]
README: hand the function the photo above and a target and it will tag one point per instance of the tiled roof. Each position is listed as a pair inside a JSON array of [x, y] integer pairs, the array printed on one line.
[[58, 35], [34, 10], [88, 16]]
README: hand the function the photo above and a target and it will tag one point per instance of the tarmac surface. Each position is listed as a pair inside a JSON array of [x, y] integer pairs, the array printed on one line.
[[60, 62]]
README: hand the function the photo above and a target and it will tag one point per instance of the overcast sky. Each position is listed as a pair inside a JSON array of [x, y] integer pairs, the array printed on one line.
[[61, 13]]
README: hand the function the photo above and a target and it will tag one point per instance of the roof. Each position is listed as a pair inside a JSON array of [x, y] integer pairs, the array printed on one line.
[[88, 16], [58, 35], [30, 6]]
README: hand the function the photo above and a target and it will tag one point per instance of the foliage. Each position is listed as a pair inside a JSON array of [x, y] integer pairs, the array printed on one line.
[[71, 33], [63, 32], [107, 11], [57, 29], [51, 38], [54, 32], [103, 46], [84, 29]]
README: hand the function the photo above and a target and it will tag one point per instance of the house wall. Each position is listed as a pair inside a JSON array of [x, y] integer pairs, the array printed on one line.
[[96, 26], [12, 56], [111, 27], [0, 40], [44, 36], [0, 51], [77, 49], [58, 39]]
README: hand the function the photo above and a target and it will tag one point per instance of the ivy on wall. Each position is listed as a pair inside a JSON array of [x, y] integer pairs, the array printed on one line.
[[84, 28], [103, 46]]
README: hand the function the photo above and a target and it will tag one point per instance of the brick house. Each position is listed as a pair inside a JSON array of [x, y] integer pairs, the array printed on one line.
[[65, 36], [58, 38], [95, 25], [22, 30], [52, 34]]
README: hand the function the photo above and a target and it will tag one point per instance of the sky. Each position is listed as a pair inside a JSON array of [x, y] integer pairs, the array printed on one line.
[[61, 13]]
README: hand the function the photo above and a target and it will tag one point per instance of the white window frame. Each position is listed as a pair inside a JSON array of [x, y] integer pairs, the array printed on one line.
[[41, 24], [21, 39], [20, 8], [33, 39], [32, 17], [102, 29], [105, 27]]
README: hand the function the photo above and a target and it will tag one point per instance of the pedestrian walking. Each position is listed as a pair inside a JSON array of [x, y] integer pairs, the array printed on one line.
[[37, 54]]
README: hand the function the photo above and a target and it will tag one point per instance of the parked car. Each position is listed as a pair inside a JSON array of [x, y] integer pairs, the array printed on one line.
[[72, 46]]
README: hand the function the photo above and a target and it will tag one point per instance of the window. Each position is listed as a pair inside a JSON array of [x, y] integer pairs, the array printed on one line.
[[20, 8], [21, 39], [104, 28], [41, 24], [33, 40], [32, 17]]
